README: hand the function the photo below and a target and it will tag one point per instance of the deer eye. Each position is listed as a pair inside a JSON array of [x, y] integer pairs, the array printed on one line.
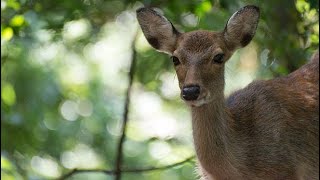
[[218, 58], [175, 60]]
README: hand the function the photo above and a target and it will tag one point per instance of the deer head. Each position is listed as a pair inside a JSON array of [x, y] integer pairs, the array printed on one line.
[[199, 56]]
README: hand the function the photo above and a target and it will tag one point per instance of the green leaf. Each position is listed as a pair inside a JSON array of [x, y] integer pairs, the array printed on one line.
[[7, 33], [5, 164], [302, 6], [314, 38], [13, 4], [6, 176], [203, 8], [17, 21], [8, 95]]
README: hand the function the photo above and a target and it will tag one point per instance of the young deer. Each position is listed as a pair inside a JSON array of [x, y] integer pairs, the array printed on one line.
[[268, 130]]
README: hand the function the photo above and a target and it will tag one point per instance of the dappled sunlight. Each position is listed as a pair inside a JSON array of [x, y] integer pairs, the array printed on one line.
[[114, 128], [50, 123], [170, 85], [45, 166], [68, 110], [249, 59], [75, 71], [77, 29], [112, 52], [165, 153], [44, 35], [189, 19], [159, 125], [146, 103], [81, 156], [241, 69], [85, 108], [3, 4], [142, 44], [133, 149], [159, 149], [151, 120], [45, 53]]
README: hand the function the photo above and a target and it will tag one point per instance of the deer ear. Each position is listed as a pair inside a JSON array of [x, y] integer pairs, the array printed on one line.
[[159, 32], [241, 27]]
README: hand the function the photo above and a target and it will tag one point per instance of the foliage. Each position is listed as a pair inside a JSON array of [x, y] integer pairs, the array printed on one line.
[[64, 79]]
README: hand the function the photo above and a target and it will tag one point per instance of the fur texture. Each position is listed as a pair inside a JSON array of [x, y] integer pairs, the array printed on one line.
[[266, 131]]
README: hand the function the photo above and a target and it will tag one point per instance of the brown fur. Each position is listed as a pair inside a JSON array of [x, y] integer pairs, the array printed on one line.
[[268, 130]]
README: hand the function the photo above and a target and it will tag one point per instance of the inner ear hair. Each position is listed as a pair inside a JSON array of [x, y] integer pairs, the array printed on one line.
[[158, 30], [241, 27]]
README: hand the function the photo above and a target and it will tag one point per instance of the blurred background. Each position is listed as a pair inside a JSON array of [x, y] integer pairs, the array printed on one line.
[[64, 76]]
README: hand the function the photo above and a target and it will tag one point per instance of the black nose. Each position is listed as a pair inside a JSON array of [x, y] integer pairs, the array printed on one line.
[[191, 92]]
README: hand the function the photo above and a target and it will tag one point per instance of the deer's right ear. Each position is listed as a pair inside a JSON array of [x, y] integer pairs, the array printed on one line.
[[159, 32]]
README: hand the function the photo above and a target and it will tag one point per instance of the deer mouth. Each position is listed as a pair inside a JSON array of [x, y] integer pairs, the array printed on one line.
[[198, 102], [193, 97]]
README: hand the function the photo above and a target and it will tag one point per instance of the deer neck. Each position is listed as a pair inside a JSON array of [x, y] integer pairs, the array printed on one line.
[[213, 137]]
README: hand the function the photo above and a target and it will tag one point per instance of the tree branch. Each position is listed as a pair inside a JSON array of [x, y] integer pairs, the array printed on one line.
[[117, 172], [113, 172], [75, 171], [119, 156], [158, 168]]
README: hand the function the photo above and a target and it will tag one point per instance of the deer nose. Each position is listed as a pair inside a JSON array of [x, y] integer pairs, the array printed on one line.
[[191, 92]]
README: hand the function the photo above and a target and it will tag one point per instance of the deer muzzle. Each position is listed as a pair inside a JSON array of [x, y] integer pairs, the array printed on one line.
[[191, 92]]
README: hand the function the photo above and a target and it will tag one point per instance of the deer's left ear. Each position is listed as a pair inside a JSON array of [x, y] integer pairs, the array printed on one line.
[[241, 27]]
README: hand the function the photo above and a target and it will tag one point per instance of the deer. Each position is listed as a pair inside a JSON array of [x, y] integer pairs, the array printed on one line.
[[268, 130]]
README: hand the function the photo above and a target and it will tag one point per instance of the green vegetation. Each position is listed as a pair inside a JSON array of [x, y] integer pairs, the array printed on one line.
[[64, 77]]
